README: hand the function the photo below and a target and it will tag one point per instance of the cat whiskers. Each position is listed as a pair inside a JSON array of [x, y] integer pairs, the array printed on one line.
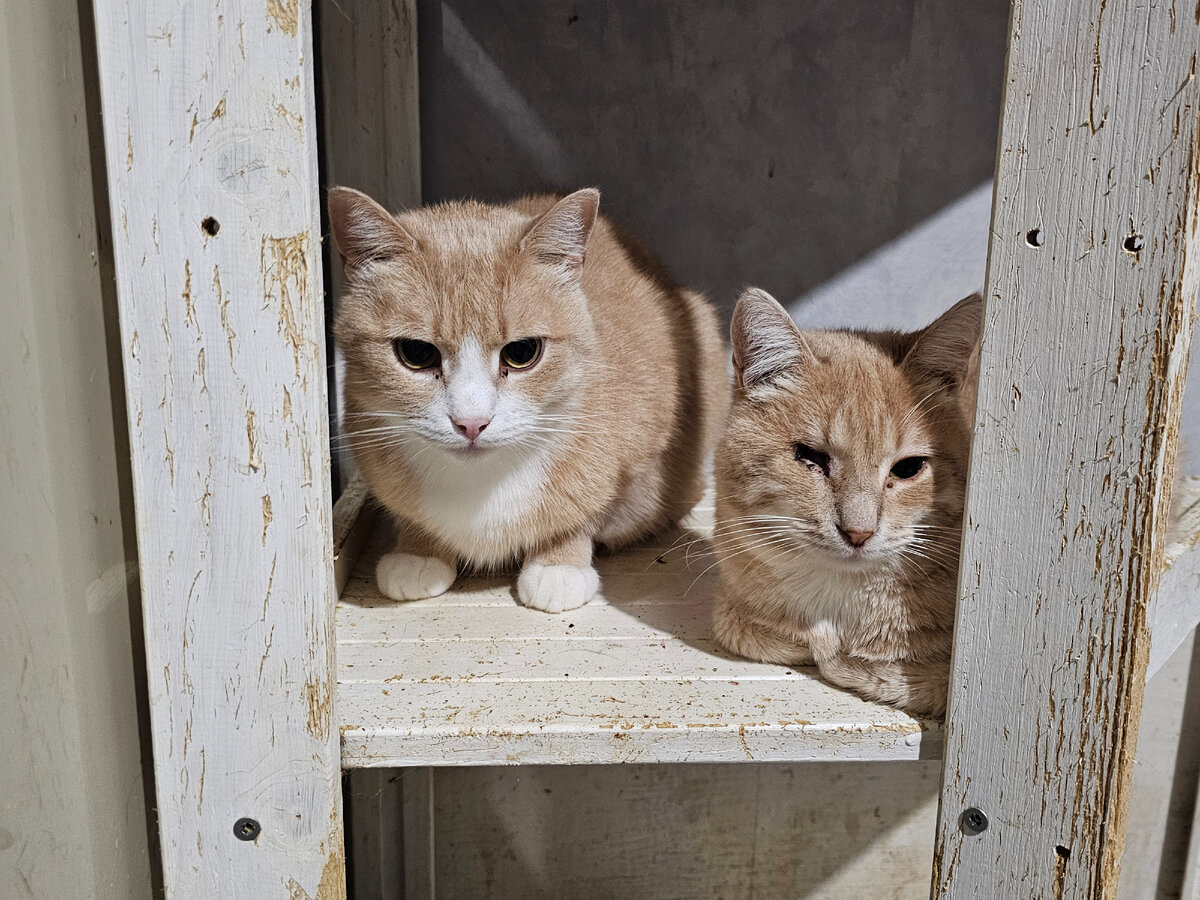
[[782, 541], [730, 528], [916, 407], [935, 544]]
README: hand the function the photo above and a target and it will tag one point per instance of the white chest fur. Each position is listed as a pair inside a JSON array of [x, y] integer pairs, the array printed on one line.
[[475, 504], [835, 595]]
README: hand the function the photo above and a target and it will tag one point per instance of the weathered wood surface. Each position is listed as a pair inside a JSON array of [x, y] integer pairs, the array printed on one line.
[[420, 834], [72, 805], [1175, 611], [212, 166], [374, 812], [471, 678], [369, 84], [371, 119], [1091, 281]]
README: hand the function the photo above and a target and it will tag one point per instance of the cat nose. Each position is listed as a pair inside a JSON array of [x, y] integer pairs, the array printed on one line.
[[471, 428], [855, 538]]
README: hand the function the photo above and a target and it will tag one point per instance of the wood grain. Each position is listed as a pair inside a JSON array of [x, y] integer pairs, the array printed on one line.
[[472, 678], [212, 168], [1091, 282]]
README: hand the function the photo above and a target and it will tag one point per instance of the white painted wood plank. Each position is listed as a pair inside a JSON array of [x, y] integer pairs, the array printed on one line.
[[370, 98], [688, 720], [73, 805], [429, 623], [471, 678], [819, 831], [420, 872], [1084, 357], [1176, 609], [374, 818], [212, 169], [518, 658], [371, 117]]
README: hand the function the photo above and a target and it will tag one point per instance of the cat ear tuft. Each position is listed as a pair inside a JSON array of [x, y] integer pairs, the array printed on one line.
[[365, 232], [560, 236], [948, 349], [766, 342]]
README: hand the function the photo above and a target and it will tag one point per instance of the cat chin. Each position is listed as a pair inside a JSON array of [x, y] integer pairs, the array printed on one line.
[[836, 560]]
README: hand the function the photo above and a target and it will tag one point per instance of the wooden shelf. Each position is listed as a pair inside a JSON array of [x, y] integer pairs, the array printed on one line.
[[472, 678]]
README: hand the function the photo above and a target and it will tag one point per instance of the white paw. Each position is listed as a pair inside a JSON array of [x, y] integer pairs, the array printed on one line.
[[403, 576], [556, 588]]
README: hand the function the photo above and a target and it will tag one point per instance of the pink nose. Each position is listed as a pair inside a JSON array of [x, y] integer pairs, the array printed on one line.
[[471, 427], [855, 538]]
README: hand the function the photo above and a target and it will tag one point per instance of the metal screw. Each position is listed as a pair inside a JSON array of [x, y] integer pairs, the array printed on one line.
[[973, 821], [246, 829]]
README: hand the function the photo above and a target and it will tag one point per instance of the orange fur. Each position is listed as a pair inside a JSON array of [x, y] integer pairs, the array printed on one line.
[[602, 440], [810, 463]]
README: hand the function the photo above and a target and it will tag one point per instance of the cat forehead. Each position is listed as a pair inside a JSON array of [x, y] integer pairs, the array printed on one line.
[[467, 280], [466, 231], [855, 398]]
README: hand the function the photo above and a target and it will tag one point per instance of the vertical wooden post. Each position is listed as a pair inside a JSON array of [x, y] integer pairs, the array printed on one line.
[[371, 141], [371, 114], [212, 169], [1092, 277]]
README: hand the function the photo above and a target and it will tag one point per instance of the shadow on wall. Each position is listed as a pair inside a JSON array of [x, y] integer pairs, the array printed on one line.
[[768, 830], [768, 142]]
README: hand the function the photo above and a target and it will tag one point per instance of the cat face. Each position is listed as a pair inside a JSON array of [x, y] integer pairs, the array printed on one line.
[[844, 449], [465, 328]]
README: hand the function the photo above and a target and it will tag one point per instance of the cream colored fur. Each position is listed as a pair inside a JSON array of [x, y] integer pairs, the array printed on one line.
[[810, 463], [604, 439]]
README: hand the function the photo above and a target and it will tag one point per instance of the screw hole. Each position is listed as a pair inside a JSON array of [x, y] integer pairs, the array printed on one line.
[[245, 829], [210, 226], [973, 821], [1134, 243], [1063, 852], [1035, 238]]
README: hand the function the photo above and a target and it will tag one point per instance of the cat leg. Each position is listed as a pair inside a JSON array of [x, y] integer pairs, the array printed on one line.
[[416, 569], [560, 577], [637, 512], [917, 687], [755, 640]]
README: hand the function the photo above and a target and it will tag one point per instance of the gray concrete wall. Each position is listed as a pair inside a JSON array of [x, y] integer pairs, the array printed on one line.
[[771, 142], [72, 807]]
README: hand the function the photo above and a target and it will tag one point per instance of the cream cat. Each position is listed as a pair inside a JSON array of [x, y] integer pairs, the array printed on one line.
[[521, 383], [840, 490]]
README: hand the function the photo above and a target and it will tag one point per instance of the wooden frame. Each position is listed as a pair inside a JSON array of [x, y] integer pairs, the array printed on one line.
[[1091, 283], [209, 120], [212, 170]]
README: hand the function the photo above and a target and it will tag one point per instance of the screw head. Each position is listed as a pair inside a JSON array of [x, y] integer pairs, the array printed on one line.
[[973, 821], [246, 829]]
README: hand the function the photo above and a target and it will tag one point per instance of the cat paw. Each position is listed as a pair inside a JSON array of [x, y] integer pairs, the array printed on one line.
[[403, 576], [556, 588], [756, 642]]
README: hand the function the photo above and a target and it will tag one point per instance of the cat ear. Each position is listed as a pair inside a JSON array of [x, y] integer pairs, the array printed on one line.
[[365, 232], [560, 236], [765, 340], [948, 350]]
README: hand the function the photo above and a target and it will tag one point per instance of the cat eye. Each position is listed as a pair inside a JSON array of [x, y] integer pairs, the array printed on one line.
[[521, 354], [814, 459], [908, 467], [417, 355]]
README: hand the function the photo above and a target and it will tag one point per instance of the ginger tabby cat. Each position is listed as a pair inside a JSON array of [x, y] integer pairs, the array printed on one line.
[[522, 383], [840, 491]]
